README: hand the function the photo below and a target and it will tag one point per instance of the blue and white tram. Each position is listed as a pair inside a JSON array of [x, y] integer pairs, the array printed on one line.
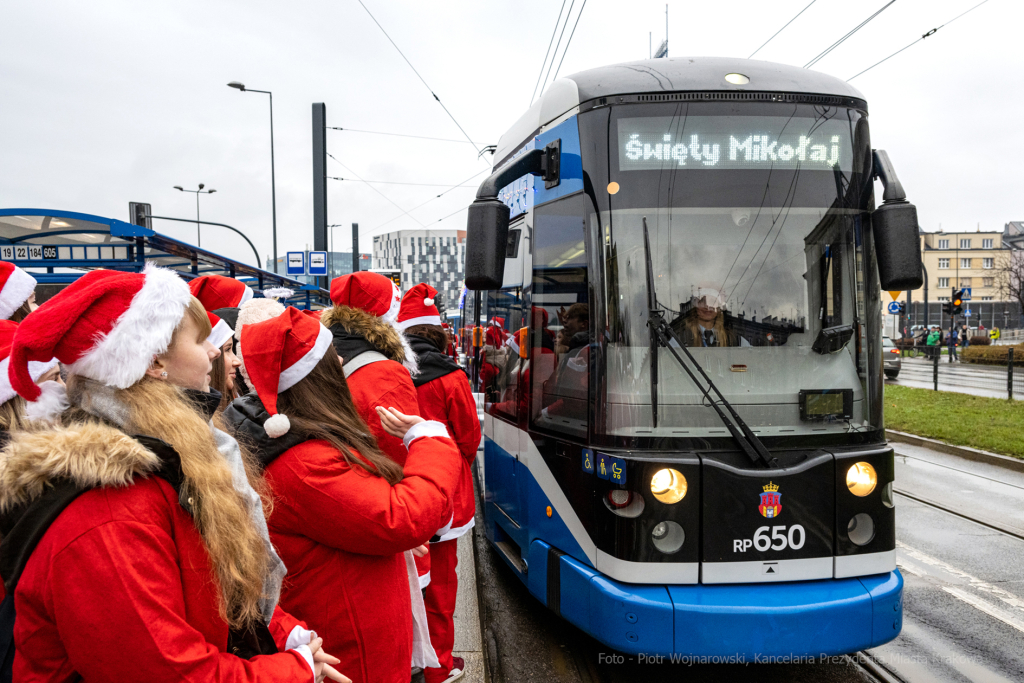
[[684, 448]]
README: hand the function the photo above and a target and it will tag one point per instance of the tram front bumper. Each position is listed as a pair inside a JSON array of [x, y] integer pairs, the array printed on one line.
[[777, 622]]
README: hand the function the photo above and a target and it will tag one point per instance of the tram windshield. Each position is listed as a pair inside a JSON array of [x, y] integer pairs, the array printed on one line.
[[757, 223]]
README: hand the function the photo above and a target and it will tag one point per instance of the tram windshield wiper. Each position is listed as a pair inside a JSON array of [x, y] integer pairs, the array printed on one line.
[[662, 334]]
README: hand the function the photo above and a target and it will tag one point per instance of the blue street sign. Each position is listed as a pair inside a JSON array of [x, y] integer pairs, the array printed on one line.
[[603, 466], [617, 470], [967, 314], [588, 461], [296, 263], [894, 307], [318, 263], [967, 293]]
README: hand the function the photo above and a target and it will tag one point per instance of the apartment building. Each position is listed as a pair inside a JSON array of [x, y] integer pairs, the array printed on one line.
[[961, 259], [437, 257]]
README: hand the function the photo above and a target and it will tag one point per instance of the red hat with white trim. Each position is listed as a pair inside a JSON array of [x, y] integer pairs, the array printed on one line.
[[217, 291], [16, 286], [220, 331], [36, 369], [418, 307], [368, 291], [279, 353], [106, 325]]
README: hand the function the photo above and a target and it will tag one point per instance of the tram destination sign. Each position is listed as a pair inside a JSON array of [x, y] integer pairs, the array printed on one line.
[[733, 142]]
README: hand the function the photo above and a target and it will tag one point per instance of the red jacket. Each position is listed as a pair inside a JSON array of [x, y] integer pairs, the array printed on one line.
[[120, 587], [450, 400], [386, 384], [342, 531]]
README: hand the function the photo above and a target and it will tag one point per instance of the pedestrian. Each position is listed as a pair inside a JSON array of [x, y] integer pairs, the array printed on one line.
[[152, 565], [17, 292], [934, 339], [965, 336], [230, 317], [951, 342], [344, 512], [444, 394], [225, 368]]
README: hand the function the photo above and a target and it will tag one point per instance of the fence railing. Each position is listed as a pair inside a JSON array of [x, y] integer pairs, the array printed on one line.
[[930, 365]]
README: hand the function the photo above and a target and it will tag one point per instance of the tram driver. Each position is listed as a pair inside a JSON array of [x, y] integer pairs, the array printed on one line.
[[705, 324]]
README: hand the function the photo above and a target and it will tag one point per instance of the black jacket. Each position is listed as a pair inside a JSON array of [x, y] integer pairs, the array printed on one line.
[[244, 419]]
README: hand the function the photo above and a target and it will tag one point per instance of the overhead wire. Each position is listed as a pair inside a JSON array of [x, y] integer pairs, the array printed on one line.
[[394, 182], [438, 196], [547, 52], [568, 42], [403, 135], [391, 201], [782, 29], [562, 33], [926, 35], [424, 82], [842, 40]]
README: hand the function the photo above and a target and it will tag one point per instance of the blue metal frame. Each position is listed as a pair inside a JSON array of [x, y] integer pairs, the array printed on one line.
[[194, 262]]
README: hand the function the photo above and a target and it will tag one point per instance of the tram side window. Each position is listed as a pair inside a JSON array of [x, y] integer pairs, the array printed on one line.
[[499, 363], [559, 369]]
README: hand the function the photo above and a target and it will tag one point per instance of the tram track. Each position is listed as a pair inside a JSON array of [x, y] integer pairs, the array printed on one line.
[[869, 666], [995, 526]]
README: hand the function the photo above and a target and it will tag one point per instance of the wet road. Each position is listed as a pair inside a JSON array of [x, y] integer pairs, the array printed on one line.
[[963, 599]]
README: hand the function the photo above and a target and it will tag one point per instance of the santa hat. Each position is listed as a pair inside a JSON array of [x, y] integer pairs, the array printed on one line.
[[281, 352], [16, 286], [217, 291], [418, 307], [106, 325], [36, 369], [369, 292], [313, 314], [220, 331], [252, 312]]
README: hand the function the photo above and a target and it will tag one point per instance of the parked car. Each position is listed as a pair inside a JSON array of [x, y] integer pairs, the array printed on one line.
[[892, 361]]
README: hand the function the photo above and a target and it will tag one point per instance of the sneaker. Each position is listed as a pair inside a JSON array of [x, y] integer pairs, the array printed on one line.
[[458, 670]]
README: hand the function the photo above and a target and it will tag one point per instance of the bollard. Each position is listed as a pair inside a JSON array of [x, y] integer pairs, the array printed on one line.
[[1009, 372], [935, 369]]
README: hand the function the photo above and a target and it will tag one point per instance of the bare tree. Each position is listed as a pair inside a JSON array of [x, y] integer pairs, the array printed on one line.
[[1009, 275]]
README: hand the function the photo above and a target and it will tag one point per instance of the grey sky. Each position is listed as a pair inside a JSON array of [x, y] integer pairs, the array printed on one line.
[[107, 102]]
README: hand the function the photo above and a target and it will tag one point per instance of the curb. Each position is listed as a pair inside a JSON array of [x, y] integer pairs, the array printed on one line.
[[1004, 461]]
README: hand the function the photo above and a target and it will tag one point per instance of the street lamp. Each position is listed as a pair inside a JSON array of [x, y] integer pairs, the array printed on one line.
[[198, 192], [273, 188]]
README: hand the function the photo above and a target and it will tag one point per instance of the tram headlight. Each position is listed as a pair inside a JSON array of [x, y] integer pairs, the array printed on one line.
[[668, 537], [861, 479], [668, 485]]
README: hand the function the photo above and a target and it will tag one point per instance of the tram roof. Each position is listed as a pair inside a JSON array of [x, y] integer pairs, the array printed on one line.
[[81, 242], [667, 75]]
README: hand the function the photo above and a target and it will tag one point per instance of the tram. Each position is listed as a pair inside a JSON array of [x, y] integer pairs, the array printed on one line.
[[681, 262]]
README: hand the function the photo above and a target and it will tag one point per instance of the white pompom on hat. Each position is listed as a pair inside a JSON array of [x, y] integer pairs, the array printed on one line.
[[281, 352], [16, 286], [418, 307]]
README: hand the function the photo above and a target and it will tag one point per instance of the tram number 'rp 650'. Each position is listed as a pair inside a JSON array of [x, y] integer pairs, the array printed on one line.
[[778, 539]]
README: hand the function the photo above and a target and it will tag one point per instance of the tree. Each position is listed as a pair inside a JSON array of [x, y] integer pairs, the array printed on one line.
[[1009, 275]]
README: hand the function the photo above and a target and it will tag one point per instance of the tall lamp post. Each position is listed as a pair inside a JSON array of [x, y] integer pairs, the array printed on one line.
[[199, 234], [273, 186]]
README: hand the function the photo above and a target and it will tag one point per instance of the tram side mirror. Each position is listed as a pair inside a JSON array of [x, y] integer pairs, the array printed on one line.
[[486, 243], [832, 339], [895, 229]]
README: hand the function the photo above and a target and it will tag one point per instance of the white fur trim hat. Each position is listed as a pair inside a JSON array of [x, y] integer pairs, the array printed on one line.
[[220, 331], [106, 325], [16, 286], [418, 307], [280, 352], [217, 291]]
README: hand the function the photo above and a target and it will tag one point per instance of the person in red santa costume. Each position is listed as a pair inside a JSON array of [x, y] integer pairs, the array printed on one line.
[[129, 547], [344, 513], [444, 394]]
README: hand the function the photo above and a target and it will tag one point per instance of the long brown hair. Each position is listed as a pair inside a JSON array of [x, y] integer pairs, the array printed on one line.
[[320, 406], [21, 312], [219, 381], [12, 414], [435, 334]]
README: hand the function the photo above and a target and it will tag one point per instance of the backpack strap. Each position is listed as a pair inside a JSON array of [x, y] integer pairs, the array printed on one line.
[[362, 360]]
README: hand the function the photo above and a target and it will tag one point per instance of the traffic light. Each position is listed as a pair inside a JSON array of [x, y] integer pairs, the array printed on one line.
[[957, 302], [903, 308], [947, 308]]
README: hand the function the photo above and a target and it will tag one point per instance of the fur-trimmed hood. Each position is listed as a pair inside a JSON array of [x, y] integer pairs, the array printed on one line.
[[89, 455], [377, 332]]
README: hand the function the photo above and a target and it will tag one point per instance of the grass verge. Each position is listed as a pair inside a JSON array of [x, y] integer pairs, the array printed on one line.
[[991, 424]]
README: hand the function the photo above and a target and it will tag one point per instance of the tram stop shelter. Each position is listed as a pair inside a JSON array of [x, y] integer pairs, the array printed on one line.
[[58, 247]]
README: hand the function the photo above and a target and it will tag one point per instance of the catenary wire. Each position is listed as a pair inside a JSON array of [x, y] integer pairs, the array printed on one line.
[[782, 29], [454, 187], [842, 40], [571, 34], [418, 75], [376, 190], [403, 135], [393, 182], [547, 52], [562, 33], [926, 35]]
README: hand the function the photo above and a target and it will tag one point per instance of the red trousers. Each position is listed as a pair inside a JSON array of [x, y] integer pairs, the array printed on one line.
[[440, 604]]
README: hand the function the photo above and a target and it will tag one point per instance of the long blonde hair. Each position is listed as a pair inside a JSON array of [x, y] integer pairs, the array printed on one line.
[[12, 415], [718, 327]]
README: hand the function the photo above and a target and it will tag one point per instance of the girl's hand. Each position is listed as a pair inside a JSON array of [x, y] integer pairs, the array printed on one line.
[[421, 551], [396, 423], [322, 664]]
